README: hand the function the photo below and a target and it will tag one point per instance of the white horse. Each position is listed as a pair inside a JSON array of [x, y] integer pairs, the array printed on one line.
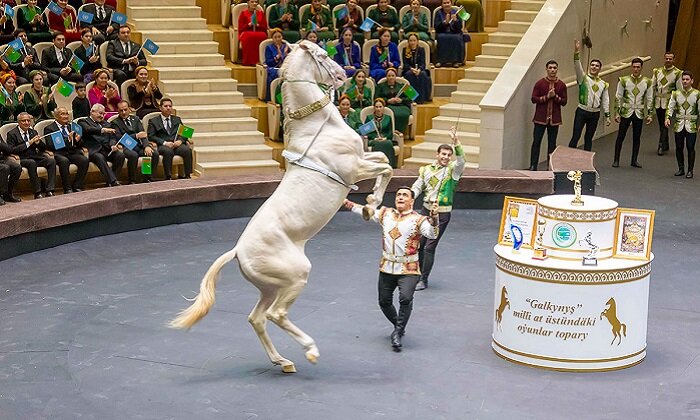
[[326, 159]]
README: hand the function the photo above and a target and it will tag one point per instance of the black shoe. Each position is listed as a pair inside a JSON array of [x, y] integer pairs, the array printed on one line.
[[49, 194], [616, 164], [635, 165], [38, 195], [168, 178], [2, 202], [67, 191], [421, 285], [131, 181], [680, 172], [115, 184], [689, 175], [396, 339], [147, 180], [532, 168], [660, 152], [77, 189], [11, 198]]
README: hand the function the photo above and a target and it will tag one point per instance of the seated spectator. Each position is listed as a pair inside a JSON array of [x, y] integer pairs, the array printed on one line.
[[39, 100], [382, 138], [14, 104], [80, 104], [348, 53], [350, 116], [7, 29], [71, 153], [144, 94], [252, 30], [387, 18], [318, 18], [285, 17], [131, 125], [28, 62], [311, 36], [416, 22], [56, 59], [414, 70], [275, 54], [103, 29], [163, 131], [124, 55], [92, 61], [28, 145], [104, 93], [449, 36], [353, 20], [384, 55], [33, 20], [360, 95], [67, 23], [476, 10], [99, 138], [10, 171], [397, 102]]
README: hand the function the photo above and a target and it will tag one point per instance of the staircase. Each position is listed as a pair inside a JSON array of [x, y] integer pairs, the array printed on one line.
[[193, 75], [463, 110]]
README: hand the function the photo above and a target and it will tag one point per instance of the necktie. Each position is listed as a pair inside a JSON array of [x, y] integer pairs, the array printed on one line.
[[100, 13], [127, 51], [64, 131], [167, 125], [26, 136], [127, 121]]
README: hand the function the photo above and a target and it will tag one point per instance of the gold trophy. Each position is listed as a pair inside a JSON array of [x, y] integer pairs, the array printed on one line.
[[540, 253], [576, 177]]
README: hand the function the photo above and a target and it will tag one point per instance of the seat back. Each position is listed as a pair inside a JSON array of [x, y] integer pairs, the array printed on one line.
[[39, 47], [370, 109], [123, 90], [41, 125], [73, 45], [422, 10], [64, 101], [367, 49], [23, 88], [6, 129], [146, 118], [103, 54]]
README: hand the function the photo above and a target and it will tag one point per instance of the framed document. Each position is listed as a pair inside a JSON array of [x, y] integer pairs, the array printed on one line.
[[633, 233], [520, 212]]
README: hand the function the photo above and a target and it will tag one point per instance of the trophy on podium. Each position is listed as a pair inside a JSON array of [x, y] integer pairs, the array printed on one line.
[[540, 253], [590, 258], [576, 177]]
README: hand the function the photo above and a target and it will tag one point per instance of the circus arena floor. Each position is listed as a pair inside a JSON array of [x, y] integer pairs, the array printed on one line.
[[82, 327]]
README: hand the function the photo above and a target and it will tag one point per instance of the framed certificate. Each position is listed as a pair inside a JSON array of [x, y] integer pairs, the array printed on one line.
[[633, 233], [520, 212]]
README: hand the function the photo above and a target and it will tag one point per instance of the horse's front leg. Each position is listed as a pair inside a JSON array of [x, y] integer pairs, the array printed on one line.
[[375, 165]]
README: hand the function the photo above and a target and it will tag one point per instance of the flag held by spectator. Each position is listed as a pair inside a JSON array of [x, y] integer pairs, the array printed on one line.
[[384, 55], [127, 141], [57, 139], [68, 21], [278, 97], [331, 50], [411, 93], [85, 17], [64, 88], [16, 43], [341, 13], [76, 63], [314, 27], [12, 54], [90, 50], [367, 24], [367, 128], [119, 18], [352, 92], [54, 8], [146, 165], [4, 96], [463, 14], [185, 131], [254, 18], [9, 11], [76, 128], [150, 46]]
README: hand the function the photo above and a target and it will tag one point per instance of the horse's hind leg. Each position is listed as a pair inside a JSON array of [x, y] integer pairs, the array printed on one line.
[[258, 321], [278, 314], [375, 165]]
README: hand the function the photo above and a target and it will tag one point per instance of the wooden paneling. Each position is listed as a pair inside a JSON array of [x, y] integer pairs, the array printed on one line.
[[221, 36], [474, 49], [495, 11], [211, 11], [448, 75]]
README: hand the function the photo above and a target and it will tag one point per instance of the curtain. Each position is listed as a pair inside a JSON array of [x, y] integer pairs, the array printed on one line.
[[685, 38]]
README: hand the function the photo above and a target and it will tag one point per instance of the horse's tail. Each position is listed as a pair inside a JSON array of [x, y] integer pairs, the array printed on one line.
[[624, 329], [206, 297]]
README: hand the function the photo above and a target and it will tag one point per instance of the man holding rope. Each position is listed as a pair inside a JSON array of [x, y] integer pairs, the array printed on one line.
[[437, 182]]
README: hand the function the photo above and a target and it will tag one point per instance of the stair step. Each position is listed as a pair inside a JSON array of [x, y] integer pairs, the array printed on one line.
[[209, 98], [145, 12], [212, 111], [262, 166], [144, 24], [530, 5], [177, 35], [520, 15], [205, 85], [415, 163], [491, 48], [228, 138], [187, 60], [462, 124], [182, 47], [466, 97], [435, 137], [223, 125], [474, 85], [494, 61], [512, 26], [482, 73], [460, 111], [209, 154], [505, 37], [427, 151], [208, 72]]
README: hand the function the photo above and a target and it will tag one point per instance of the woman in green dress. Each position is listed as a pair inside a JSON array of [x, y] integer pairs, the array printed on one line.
[[13, 103], [392, 93], [358, 92], [38, 100], [285, 16], [381, 139], [318, 19], [350, 116], [386, 17], [32, 19], [415, 21]]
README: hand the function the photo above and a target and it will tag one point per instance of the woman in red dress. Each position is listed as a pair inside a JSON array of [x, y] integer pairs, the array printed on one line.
[[67, 23], [251, 32]]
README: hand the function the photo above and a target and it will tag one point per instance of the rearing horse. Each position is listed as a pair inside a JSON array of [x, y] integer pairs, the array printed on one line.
[[326, 159], [611, 314], [502, 307]]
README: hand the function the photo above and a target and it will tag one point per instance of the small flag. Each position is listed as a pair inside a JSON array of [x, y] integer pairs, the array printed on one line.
[[30, 13], [127, 141], [331, 50], [463, 14], [150, 46], [9, 11], [352, 93], [367, 24], [12, 54], [89, 50], [68, 21], [17, 44], [341, 13], [367, 128], [254, 18], [58, 141], [64, 88], [411, 93], [76, 63], [54, 8], [185, 131], [4, 96], [86, 17], [385, 55], [314, 27], [76, 128], [146, 167], [278, 97], [119, 18]]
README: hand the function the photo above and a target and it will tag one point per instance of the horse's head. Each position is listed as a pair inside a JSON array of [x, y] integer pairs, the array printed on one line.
[[308, 61]]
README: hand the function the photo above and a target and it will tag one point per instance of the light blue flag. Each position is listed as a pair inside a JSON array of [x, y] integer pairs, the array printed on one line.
[[89, 50], [314, 27], [117, 17], [54, 8], [150, 46], [367, 128], [58, 141], [367, 24], [127, 141], [9, 11], [76, 128], [86, 17], [16, 44]]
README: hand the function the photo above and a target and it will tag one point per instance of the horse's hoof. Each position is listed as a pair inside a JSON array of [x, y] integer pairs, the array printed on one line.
[[371, 199], [367, 212], [312, 356], [289, 368]]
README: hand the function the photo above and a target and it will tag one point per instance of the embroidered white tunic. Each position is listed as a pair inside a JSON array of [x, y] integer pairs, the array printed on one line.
[[664, 82], [685, 106], [634, 96]]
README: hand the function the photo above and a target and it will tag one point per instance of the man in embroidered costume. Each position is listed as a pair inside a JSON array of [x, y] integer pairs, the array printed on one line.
[[402, 229], [685, 106], [548, 95], [634, 100], [664, 81], [592, 96], [437, 182]]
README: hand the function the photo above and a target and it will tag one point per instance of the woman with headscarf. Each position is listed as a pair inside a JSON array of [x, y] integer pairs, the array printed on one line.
[[13, 103], [414, 70], [360, 95], [383, 55], [318, 18], [381, 139], [252, 30], [350, 116], [416, 22], [144, 95], [275, 54], [102, 92], [352, 19], [394, 96], [387, 18], [285, 16], [33, 20], [347, 53], [449, 36], [39, 100]]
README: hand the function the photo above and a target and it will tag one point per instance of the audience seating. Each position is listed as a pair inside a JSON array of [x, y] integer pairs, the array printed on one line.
[[433, 33], [335, 20], [261, 69], [423, 10], [411, 127], [236, 10], [123, 90], [426, 47], [274, 112], [367, 50], [103, 54], [398, 137], [39, 47], [369, 9], [74, 45]]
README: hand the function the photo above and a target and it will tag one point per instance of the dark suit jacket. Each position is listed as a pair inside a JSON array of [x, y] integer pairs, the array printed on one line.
[[88, 67], [136, 127], [51, 62], [19, 146], [5, 150], [101, 24], [76, 147], [115, 55], [94, 139], [158, 134], [19, 68]]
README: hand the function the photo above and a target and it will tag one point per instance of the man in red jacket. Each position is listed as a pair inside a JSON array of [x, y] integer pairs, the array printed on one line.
[[548, 95]]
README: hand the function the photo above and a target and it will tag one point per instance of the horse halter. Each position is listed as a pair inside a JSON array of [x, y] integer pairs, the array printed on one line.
[[329, 91]]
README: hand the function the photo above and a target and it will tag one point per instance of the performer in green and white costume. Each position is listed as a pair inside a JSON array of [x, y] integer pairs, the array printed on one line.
[[592, 96], [437, 182], [684, 105], [634, 101], [664, 81]]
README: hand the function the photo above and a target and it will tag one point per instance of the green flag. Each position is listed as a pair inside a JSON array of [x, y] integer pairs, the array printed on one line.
[[185, 131], [352, 92], [146, 167], [64, 88], [411, 93], [12, 54], [331, 50], [4, 96], [385, 55], [278, 97], [463, 14]]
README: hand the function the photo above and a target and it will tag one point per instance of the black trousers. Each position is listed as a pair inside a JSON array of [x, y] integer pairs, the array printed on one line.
[[100, 159], [637, 124], [663, 131], [132, 162], [10, 171], [689, 140], [63, 162], [426, 252], [45, 162], [168, 154], [407, 286], [590, 121], [537, 134]]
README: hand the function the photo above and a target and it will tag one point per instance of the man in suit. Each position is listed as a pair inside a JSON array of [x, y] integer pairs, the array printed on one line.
[[10, 171], [163, 131], [131, 125], [56, 60], [28, 145], [124, 55], [29, 61], [99, 139], [72, 153], [102, 29]]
